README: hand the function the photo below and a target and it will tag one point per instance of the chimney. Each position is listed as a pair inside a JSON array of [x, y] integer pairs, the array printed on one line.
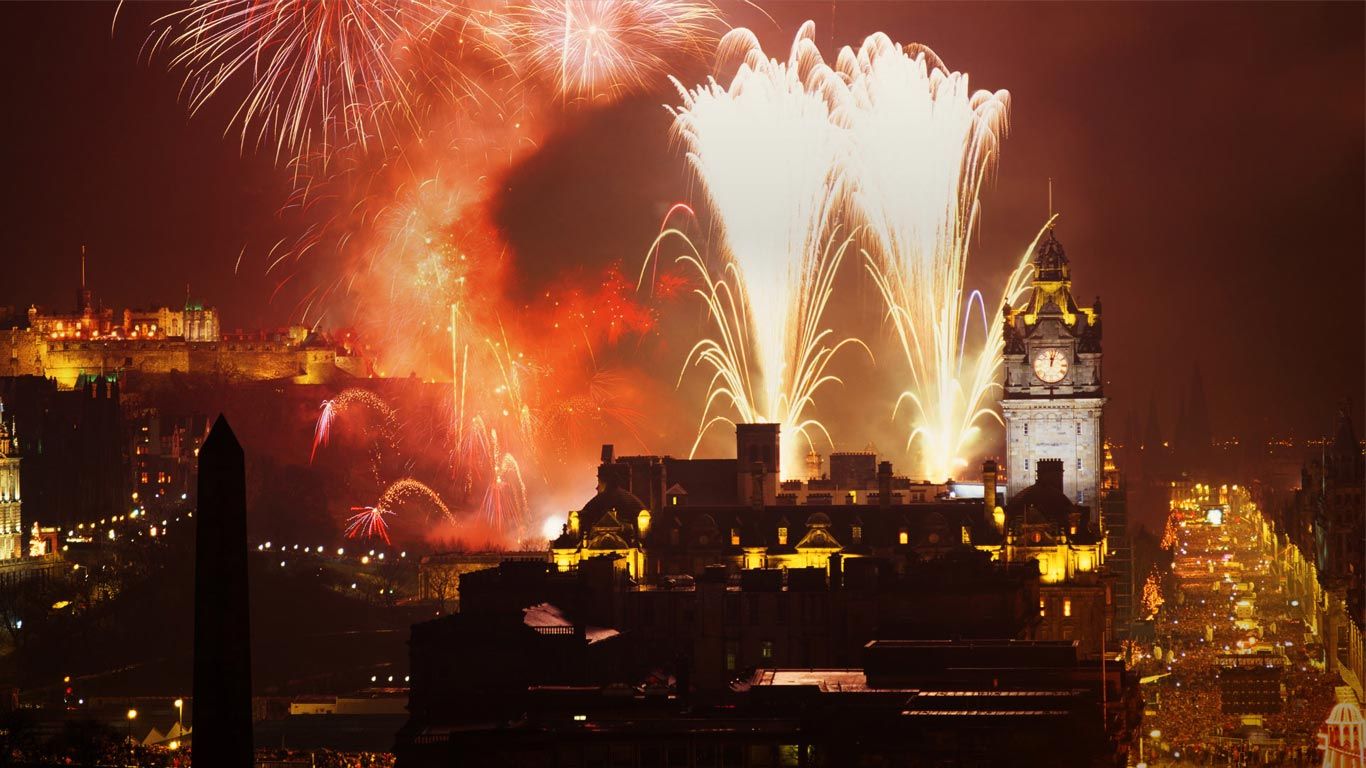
[[658, 483], [989, 474], [884, 484], [222, 637], [608, 453], [1049, 473]]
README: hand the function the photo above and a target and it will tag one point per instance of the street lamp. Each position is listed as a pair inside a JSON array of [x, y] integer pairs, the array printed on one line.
[[132, 715], [180, 715]]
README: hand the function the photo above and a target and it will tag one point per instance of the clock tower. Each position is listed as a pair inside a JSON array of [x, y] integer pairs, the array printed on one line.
[[1052, 400]]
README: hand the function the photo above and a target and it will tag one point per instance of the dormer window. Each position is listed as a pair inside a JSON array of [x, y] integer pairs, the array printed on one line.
[[903, 536], [735, 537], [782, 535]]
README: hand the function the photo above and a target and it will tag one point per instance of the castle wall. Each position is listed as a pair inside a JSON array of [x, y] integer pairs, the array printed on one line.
[[24, 352]]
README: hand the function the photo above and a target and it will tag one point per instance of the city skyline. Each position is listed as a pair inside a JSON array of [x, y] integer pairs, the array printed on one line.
[[712, 383]]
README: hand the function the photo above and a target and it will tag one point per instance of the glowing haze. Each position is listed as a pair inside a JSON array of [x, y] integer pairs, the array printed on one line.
[[401, 122]]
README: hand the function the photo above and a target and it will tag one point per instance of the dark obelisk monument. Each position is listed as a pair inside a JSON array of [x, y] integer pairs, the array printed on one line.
[[222, 637]]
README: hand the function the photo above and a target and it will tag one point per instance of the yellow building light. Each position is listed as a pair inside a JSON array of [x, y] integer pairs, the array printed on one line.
[[643, 522], [1067, 606]]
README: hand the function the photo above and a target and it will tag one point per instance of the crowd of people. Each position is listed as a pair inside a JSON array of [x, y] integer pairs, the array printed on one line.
[[1224, 604]]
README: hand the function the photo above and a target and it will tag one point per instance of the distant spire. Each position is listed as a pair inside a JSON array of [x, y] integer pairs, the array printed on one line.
[[1050, 197], [82, 266]]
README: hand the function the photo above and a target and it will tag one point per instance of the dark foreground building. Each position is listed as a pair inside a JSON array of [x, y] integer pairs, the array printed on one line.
[[926, 663], [909, 703]]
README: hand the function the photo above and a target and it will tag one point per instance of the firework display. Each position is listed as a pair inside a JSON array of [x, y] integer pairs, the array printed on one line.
[[769, 156], [925, 142], [398, 124]]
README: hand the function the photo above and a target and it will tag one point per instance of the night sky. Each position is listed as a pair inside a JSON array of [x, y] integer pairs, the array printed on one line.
[[1207, 161]]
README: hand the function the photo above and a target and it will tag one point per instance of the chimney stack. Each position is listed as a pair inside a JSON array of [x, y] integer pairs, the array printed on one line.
[[884, 484], [990, 471]]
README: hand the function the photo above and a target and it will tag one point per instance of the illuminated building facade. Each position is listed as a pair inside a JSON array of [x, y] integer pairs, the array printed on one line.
[[11, 522], [697, 513], [162, 341]]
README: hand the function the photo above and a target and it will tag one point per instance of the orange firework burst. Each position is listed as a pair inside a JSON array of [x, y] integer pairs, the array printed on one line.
[[598, 49]]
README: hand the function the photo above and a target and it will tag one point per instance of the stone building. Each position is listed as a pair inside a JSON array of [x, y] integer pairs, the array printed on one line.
[[11, 521], [1052, 402]]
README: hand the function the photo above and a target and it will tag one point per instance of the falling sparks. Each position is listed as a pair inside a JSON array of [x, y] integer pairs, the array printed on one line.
[[769, 157], [368, 523]]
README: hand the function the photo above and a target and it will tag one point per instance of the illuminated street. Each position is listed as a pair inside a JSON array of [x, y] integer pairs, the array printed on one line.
[[1227, 606]]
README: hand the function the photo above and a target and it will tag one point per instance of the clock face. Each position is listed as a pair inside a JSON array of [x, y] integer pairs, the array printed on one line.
[[1050, 365]]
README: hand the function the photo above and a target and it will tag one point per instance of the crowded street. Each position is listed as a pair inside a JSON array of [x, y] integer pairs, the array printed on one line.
[[1234, 673]]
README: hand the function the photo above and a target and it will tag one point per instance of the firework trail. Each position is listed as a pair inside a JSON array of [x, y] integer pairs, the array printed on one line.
[[380, 429], [319, 74], [924, 142], [410, 492], [368, 522], [769, 157], [504, 501], [601, 49]]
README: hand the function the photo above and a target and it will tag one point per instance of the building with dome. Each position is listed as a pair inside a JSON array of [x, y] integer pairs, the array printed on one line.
[[664, 517]]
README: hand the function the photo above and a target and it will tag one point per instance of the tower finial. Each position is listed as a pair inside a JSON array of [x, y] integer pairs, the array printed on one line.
[[1050, 197], [82, 266]]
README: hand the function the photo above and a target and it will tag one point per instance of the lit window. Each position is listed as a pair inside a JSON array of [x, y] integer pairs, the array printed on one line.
[[1043, 607], [904, 537], [858, 534], [967, 537], [1067, 606], [735, 537], [766, 649], [782, 536], [732, 650]]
